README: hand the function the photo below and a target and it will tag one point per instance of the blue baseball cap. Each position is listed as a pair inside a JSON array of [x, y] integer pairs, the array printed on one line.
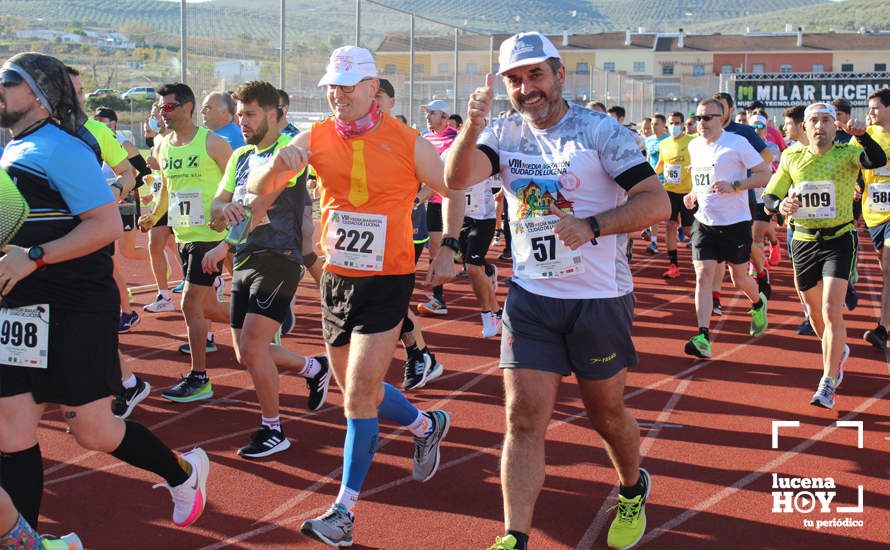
[[525, 48]]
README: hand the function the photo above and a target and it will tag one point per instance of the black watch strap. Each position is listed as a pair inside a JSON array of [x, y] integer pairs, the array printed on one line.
[[595, 227], [451, 243]]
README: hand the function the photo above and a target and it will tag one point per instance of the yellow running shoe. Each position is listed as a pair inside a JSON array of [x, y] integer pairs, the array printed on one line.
[[507, 542], [630, 523]]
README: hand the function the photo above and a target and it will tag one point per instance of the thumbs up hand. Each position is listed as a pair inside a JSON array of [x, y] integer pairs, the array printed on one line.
[[480, 103]]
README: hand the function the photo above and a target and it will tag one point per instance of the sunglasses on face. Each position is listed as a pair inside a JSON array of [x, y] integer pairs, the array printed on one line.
[[706, 118], [10, 79], [758, 126], [169, 107], [345, 89]]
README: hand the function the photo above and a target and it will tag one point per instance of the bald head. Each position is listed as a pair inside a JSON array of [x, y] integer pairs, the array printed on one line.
[[217, 110]]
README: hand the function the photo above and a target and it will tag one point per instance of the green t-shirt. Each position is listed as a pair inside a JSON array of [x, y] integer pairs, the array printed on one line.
[[825, 184], [192, 177], [113, 153]]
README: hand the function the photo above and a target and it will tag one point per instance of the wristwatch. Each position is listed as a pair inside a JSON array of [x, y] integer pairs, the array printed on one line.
[[451, 243], [119, 186], [594, 226], [736, 185], [35, 254]]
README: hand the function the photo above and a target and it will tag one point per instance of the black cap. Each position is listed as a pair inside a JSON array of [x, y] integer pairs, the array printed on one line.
[[106, 112], [387, 88]]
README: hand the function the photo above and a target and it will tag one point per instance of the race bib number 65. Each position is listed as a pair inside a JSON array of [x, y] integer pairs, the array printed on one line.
[[24, 336]]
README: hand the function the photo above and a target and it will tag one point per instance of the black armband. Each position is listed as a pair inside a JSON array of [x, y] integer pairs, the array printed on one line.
[[772, 202], [139, 164], [873, 155]]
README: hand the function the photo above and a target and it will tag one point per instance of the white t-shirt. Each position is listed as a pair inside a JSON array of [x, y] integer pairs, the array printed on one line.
[[479, 201], [727, 159], [572, 165]]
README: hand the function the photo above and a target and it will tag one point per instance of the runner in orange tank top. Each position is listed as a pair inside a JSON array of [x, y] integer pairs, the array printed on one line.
[[369, 166]]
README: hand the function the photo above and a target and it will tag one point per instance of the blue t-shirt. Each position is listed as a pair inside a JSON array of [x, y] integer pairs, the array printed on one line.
[[652, 143], [231, 132], [58, 175]]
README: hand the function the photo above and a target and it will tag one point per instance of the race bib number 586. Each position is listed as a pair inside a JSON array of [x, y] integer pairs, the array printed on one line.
[[24, 336]]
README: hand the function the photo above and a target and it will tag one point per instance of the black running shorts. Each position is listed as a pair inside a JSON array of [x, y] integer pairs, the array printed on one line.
[[722, 243], [263, 284], [191, 255], [814, 261], [366, 305]]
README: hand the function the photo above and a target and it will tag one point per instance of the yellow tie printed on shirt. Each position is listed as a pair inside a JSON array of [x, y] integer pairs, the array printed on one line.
[[358, 177]]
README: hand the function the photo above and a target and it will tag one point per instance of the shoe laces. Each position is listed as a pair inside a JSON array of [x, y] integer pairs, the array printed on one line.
[[628, 509], [423, 443], [826, 389], [183, 495], [336, 514], [414, 366]]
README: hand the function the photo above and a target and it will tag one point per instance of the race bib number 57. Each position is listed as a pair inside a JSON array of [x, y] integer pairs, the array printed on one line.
[[24, 336], [539, 253]]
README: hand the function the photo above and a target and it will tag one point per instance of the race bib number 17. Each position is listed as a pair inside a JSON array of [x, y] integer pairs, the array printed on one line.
[[24, 336], [186, 208]]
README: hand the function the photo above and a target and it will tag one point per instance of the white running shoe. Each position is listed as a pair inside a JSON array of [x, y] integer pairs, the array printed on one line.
[[491, 324], [160, 304], [190, 497]]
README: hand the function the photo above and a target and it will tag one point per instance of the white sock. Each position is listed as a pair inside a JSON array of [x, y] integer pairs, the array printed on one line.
[[130, 382], [165, 294], [422, 425], [271, 423], [347, 497], [310, 368]]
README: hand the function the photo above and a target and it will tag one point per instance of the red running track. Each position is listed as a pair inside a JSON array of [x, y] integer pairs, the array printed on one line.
[[706, 438]]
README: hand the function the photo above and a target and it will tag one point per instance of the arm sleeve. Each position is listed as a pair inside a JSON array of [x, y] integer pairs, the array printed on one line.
[[872, 156], [141, 167]]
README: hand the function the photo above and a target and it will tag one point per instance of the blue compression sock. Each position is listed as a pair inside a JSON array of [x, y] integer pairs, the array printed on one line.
[[358, 450], [396, 407]]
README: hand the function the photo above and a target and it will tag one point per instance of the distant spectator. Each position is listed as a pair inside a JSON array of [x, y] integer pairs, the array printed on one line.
[[596, 106], [455, 121], [218, 116]]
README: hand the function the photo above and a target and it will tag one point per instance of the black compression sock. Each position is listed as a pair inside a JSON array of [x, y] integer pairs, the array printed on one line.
[[672, 256], [635, 490], [705, 331], [21, 474], [141, 448], [412, 351], [758, 305], [521, 540]]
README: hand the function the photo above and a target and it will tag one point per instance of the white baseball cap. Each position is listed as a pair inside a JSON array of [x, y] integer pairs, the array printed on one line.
[[348, 66], [437, 105], [525, 48]]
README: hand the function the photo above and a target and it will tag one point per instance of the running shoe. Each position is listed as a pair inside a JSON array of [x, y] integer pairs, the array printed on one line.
[[210, 347], [507, 542], [318, 385], [426, 449], [130, 298], [66, 542], [673, 271], [123, 404], [652, 249], [178, 288], [805, 328], [876, 337], [758, 318], [717, 309], [220, 287], [433, 307], [681, 236], [698, 346], [333, 528], [491, 324], [189, 388], [763, 286], [630, 522], [160, 304], [646, 233], [851, 299], [128, 321], [190, 497], [775, 255], [840, 368], [437, 368], [506, 255], [824, 396], [264, 442], [417, 371]]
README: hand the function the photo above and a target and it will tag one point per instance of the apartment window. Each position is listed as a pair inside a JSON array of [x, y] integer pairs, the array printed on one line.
[[785, 68], [472, 68], [582, 68], [758, 68], [818, 68], [698, 70], [390, 68], [667, 69], [442, 68], [418, 68], [880, 66], [846, 67], [609, 66], [725, 69], [639, 66]]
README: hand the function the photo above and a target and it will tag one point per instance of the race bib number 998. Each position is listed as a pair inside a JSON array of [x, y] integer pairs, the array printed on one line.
[[24, 336]]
